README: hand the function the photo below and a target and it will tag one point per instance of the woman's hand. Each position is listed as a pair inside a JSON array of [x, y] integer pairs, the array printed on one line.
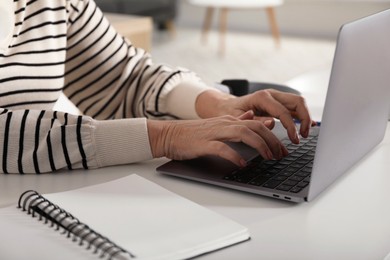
[[188, 139], [265, 103]]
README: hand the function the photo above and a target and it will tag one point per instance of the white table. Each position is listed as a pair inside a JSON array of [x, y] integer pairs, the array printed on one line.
[[350, 220]]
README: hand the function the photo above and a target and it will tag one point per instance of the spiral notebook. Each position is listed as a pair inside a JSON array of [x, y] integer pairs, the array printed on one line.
[[128, 218]]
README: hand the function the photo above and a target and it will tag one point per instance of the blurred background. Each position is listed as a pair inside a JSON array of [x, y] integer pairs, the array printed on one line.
[[259, 40]]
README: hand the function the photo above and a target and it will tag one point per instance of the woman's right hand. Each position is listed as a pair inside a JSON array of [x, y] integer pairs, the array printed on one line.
[[188, 139]]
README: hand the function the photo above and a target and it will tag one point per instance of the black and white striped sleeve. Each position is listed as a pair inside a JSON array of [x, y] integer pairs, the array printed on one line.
[[68, 45], [107, 77], [35, 141]]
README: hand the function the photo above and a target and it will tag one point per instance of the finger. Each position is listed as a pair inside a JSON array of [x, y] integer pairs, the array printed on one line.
[[277, 110], [224, 151], [271, 140], [304, 126], [269, 122], [298, 107], [248, 115], [242, 133], [255, 141], [284, 150]]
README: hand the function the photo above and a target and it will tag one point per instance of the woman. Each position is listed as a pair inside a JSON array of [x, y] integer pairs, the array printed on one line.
[[47, 47]]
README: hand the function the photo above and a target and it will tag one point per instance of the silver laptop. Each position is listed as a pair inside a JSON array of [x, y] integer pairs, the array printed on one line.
[[354, 121]]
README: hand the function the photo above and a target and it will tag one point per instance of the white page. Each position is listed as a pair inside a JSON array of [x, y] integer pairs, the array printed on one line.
[[148, 220], [23, 237]]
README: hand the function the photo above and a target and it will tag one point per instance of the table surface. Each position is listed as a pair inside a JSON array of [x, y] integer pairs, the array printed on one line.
[[350, 220]]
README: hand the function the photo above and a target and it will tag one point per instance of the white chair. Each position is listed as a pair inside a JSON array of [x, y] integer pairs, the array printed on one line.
[[226, 5]]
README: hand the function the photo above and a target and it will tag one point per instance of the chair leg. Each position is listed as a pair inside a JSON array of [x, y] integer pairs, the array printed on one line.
[[274, 25], [207, 23], [222, 30]]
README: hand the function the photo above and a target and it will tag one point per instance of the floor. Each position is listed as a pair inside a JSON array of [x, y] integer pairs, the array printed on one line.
[[248, 55]]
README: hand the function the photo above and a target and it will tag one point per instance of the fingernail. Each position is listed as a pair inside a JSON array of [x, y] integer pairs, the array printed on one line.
[[285, 151], [296, 137], [269, 155], [280, 155], [243, 163]]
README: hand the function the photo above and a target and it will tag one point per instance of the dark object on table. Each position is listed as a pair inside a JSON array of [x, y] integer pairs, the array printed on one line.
[[240, 87]]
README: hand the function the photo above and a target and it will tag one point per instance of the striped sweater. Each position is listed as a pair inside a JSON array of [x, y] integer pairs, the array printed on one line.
[[68, 46]]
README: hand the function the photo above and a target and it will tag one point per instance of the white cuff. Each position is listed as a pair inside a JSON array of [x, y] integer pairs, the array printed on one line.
[[121, 141], [181, 100]]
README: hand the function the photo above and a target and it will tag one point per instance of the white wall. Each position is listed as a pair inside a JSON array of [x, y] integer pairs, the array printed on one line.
[[314, 18]]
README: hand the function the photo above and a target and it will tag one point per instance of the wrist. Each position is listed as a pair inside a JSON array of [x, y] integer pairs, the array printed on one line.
[[212, 103], [158, 132]]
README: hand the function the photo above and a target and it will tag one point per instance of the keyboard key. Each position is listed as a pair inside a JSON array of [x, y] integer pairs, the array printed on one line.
[[271, 184], [296, 189], [300, 151], [304, 161], [302, 174], [258, 181], [298, 163], [293, 170], [307, 169], [270, 162], [279, 167], [272, 171], [290, 182], [302, 184], [267, 175], [295, 155], [284, 162], [286, 173], [280, 178], [296, 178], [289, 158], [284, 187]]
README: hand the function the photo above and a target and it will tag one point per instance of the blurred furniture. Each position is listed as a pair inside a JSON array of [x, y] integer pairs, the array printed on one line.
[[163, 12], [226, 5], [138, 29]]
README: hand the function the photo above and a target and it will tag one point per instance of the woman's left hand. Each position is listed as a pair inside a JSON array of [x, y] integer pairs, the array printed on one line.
[[266, 104]]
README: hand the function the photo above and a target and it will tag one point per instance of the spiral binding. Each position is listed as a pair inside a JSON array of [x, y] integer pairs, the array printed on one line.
[[34, 203]]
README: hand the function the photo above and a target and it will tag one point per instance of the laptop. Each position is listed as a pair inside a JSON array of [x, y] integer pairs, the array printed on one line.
[[354, 121]]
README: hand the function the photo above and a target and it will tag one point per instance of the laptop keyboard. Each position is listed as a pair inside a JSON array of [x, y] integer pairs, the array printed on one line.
[[292, 173]]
